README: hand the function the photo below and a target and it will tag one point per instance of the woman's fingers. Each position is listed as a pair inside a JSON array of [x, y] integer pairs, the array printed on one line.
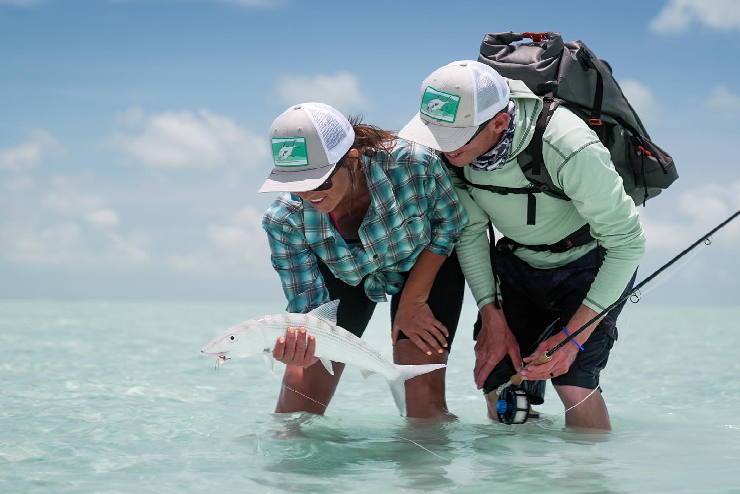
[[290, 340], [439, 335], [310, 349], [431, 341], [420, 343], [441, 327], [279, 351]]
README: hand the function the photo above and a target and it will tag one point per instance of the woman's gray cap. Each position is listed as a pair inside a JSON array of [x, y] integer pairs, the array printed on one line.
[[306, 141], [455, 100]]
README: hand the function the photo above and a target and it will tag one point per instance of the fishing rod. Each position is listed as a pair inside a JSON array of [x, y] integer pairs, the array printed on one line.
[[545, 357]]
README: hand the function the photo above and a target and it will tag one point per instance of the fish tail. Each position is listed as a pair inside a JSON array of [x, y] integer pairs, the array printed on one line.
[[406, 372]]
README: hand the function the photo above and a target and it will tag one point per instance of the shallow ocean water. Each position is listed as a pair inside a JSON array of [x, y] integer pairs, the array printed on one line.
[[115, 397]]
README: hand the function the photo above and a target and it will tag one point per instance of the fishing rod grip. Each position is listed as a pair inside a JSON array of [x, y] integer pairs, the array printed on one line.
[[542, 358]]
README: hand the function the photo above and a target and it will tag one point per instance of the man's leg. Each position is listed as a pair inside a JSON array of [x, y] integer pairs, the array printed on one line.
[[591, 414]]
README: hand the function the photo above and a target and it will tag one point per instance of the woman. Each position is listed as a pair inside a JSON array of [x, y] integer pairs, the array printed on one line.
[[367, 215]]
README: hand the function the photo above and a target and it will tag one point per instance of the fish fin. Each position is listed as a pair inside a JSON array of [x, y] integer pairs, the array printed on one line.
[[406, 372], [327, 365], [327, 311], [366, 373], [269, 361]]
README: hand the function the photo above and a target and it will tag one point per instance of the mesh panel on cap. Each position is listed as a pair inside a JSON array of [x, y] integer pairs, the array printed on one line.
[[334, 130], [488, 92]]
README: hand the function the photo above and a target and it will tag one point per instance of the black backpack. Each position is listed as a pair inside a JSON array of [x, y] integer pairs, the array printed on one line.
[[569, 74]]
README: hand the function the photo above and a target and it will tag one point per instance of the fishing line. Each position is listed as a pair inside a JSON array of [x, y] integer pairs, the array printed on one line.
[[670, 274], [425, 449], [405, 439], [308, 397]]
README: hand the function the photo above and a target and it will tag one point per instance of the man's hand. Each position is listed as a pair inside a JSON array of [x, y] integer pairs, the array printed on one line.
[[296, 348], [495, 341], [415, 320], [558, 364], [563, 358]]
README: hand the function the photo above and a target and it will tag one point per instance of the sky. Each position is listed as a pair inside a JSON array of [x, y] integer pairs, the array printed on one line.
[[133, 133]]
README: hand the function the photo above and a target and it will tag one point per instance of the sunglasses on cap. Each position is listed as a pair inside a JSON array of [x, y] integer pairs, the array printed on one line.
[[327, 183]]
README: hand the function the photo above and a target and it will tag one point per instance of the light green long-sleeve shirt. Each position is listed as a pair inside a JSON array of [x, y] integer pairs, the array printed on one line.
[[581, 166]]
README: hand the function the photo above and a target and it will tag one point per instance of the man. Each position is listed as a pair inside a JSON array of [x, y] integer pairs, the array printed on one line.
[[542, 285]]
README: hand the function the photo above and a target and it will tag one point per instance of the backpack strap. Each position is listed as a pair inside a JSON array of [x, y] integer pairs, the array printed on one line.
[[532, 163], [490, 188], [594, 120]]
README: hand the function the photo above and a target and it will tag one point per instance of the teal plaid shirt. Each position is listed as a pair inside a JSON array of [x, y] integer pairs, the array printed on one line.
[[413, 206]]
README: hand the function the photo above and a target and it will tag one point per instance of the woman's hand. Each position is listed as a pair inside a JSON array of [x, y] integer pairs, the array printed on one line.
[[296, 348], [415, 320]]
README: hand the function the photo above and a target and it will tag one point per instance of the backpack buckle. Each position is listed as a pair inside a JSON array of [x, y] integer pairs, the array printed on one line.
[[594, 122]]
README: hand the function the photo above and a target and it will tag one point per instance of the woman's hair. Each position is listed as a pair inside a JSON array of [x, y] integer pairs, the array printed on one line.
[[369, 139]]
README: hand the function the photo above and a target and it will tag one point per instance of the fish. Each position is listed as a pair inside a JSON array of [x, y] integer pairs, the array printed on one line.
[[333, 344], [436, 104], [286, 151]]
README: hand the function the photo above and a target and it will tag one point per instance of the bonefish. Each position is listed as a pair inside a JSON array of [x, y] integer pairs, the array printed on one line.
[[333, 343]]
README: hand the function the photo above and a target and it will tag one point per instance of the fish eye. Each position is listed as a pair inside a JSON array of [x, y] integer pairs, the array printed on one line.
[[232, 338]]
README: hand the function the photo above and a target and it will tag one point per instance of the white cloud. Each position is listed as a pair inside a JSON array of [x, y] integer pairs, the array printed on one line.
[[52, 246], [67, 245], [341, 90], [642, 100], [237, 248], [188, 139], [67, 197], [132, 116], [17, 184], [30, 153], [700, 210], [724, 101], [678, 15], [102, 218], [127, 250]]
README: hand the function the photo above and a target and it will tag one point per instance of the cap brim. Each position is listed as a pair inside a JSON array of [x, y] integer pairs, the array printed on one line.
[[296, 180], [439, 137]]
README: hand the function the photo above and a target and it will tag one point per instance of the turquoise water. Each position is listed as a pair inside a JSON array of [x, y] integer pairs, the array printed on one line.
[[115, 397]]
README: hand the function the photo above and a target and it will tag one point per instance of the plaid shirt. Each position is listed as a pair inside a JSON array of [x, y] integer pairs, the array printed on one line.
[[413, 206]]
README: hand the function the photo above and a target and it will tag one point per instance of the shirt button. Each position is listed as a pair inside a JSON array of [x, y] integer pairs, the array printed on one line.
[[375, 256]]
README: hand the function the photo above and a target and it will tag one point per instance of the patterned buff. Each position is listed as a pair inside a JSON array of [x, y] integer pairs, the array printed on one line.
[[496, 157]]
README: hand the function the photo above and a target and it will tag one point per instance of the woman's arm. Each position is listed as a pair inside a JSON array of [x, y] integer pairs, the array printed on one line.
[[447, 219]]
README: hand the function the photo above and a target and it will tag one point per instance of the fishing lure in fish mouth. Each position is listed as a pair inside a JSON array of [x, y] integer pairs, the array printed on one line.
[[220, 360]]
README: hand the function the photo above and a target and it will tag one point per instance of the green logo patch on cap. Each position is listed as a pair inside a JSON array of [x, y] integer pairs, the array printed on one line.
[[439, 105], [289, 151]]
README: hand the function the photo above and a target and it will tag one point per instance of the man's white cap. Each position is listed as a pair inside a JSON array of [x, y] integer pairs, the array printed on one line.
[[455, 100], [306, 141]]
